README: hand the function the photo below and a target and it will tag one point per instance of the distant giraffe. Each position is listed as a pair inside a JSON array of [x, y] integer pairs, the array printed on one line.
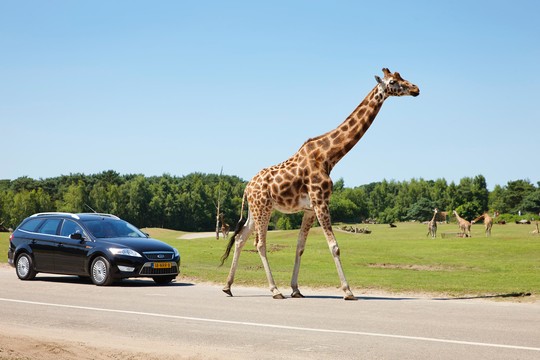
[[488, 222], [536, 231], [464, 225], [303, 183], [224, 226], [432, 225]]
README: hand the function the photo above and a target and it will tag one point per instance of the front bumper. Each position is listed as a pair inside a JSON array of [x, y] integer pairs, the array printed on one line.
[[144, 268]]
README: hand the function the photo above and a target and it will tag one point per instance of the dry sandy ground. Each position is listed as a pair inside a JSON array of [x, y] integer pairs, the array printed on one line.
[[34, 345]]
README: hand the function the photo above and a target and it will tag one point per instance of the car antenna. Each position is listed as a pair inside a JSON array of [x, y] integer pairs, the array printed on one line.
[[88, 206]]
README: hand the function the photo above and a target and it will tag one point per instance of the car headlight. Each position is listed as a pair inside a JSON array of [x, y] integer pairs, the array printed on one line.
[[124, 251], [176, 253]]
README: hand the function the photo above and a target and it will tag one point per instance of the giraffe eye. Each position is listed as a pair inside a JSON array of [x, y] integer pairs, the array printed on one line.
[[392, 82]]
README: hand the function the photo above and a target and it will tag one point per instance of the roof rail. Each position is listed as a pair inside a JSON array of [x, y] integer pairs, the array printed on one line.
[[55, 213], [101, 214]]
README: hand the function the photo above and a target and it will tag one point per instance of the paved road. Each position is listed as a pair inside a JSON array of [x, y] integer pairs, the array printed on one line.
[[199, 321]]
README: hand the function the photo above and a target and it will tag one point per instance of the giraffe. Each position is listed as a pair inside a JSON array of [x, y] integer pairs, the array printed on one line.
[[464, 225], [302, 183], [432, 225], [224, 226], [488, 222]]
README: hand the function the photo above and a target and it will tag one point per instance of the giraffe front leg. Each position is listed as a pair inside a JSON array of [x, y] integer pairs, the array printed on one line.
[[323, 215], [307, 222]]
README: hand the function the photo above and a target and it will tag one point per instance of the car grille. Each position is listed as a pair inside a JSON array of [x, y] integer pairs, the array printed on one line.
[[159, 255], [148, 269]]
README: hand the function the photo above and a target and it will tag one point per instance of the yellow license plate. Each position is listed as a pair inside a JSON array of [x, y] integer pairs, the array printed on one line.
[[162, 265]]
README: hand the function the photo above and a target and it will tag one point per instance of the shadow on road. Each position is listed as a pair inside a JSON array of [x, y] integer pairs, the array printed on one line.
[[123, 283], [499, 296]]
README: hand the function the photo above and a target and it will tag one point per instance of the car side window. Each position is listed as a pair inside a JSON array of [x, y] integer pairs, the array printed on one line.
[[31, 225], [50, 226], [70, 227]]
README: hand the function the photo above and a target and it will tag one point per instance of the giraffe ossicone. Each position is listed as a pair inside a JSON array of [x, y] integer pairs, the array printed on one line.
[[302, 183]]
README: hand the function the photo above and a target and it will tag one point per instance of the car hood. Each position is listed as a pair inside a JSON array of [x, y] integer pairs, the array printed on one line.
[[138, 244]]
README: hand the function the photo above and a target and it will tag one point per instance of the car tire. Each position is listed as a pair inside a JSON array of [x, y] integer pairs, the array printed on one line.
[[163, 280], [100, 272], [24, 266]]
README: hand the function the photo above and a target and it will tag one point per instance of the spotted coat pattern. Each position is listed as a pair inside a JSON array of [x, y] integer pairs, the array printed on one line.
[[302, 183]]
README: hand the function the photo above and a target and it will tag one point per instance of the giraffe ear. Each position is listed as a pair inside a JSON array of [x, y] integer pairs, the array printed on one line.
[[378, 79]]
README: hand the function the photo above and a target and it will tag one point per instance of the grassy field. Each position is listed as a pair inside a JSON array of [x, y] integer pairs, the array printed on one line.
[[400, 259]]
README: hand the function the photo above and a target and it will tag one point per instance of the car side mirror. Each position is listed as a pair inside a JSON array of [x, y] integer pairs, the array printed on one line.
[[77, 236]]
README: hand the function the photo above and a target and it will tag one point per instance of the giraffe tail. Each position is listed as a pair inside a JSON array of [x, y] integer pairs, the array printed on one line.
[[239, 227]]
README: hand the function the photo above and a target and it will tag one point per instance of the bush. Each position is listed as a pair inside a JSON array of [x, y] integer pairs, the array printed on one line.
[[511, 218]]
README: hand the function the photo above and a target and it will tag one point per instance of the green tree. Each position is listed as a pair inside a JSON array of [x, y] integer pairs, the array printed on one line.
[[343, 209], [515, 193], [422, 210], [73, 199], [531, 202]]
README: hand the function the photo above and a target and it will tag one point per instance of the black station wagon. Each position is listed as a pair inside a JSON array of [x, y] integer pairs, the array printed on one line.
[[101, 247]]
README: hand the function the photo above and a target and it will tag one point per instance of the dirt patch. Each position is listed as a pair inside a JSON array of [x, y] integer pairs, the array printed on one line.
[[413, 267], [270, 248], [201, 235], [24, 347]]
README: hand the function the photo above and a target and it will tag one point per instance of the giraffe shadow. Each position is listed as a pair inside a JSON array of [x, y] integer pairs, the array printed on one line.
[[496, 296], [359, 298]]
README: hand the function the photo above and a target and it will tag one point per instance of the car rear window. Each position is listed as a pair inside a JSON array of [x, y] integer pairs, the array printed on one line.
[[31, 225]]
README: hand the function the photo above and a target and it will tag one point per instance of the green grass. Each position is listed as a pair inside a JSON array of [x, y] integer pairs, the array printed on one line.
[[398, 259], [4, 245]]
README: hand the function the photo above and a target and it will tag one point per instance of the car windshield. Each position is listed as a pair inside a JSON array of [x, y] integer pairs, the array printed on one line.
[[112, 228]]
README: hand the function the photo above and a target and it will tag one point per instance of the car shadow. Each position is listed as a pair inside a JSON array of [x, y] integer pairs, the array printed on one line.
[[143, 282]]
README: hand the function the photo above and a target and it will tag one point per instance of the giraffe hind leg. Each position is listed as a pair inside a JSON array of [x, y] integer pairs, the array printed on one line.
[[307, 222], [239, 239]]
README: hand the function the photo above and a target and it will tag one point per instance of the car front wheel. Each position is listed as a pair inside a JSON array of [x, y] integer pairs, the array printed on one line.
[[100, 272], [24, 266]]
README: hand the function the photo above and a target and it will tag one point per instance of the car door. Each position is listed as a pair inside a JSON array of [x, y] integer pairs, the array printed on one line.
[[44, 244], [71, 253]]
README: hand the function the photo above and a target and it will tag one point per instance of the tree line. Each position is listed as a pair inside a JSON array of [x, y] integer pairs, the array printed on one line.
[[189, 202]]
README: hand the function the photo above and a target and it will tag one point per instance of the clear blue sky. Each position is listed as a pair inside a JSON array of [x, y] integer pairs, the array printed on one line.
[[154, 87]]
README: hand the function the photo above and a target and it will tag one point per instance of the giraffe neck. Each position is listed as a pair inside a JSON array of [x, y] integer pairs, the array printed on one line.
[[480, 217], [335, 144]]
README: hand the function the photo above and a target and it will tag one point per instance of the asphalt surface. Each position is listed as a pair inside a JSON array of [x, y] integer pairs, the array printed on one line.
[[199, 321]]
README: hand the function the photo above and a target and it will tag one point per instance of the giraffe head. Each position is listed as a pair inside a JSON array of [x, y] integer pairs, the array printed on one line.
[[395, 85]]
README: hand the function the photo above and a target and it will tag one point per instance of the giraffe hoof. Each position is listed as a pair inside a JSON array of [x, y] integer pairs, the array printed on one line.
[[297, 295], [228, 292], [278, 296]]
